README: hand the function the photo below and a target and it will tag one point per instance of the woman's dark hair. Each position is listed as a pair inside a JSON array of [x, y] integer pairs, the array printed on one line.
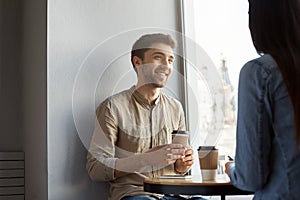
[[144, 43], [275, 30]]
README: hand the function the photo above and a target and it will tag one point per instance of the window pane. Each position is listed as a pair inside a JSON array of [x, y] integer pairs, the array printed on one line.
[[220, 28]]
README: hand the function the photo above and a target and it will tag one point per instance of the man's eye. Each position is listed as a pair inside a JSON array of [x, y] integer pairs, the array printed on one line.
[[171, 61], [157, 57]]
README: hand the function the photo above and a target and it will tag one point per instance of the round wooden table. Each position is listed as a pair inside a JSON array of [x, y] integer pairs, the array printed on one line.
[[193, 186]]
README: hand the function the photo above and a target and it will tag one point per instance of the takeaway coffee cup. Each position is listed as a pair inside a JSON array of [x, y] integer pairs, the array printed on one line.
[[208, 160], [180, 137]]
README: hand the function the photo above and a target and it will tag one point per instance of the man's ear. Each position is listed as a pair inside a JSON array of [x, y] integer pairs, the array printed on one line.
[[136, 61]]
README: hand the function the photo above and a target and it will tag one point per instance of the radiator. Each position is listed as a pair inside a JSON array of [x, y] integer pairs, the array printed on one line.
[[12, 176]]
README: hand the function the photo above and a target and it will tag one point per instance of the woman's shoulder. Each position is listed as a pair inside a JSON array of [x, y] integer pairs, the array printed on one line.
[[265, 62], [262, 66]]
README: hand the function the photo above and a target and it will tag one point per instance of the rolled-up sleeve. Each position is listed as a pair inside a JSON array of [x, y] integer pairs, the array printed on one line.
[[254, 129], [101, 156]]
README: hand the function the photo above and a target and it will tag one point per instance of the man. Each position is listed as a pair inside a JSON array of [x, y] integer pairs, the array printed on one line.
[[132, 137]]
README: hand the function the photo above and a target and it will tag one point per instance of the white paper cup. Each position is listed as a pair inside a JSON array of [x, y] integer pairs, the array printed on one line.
[[208, 160], [208, 174]]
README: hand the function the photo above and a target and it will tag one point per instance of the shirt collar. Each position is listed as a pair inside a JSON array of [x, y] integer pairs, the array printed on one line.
[[141, 100]]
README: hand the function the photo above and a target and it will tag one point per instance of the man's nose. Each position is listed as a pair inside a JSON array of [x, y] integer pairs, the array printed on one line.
[[166, 63]]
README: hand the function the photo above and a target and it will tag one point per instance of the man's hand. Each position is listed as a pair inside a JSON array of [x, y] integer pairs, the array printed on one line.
[[164, 155], [155, 158], [184, 163]]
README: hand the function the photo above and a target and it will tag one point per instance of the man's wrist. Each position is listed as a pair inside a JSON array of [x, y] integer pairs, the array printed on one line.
[[180, 169]]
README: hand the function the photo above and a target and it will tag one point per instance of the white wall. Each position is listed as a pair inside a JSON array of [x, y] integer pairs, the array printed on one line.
[[88, 51]]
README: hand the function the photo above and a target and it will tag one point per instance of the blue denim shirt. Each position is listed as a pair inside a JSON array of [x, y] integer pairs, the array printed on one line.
[[265, 131]]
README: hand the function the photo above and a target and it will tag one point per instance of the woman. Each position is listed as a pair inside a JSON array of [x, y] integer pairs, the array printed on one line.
[[268, 129]]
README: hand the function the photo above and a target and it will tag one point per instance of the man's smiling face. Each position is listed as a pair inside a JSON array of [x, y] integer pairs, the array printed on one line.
[[157, 65]]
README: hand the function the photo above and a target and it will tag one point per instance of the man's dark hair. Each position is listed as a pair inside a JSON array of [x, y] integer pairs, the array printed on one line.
[[144, 43]]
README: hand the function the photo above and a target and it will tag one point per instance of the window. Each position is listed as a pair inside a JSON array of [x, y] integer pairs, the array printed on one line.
[[218, 44]]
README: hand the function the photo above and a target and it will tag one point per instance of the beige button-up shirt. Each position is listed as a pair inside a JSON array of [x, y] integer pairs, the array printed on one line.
[[126, 125]]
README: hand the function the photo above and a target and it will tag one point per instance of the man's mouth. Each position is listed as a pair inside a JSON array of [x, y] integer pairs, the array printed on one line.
[[162, 73]]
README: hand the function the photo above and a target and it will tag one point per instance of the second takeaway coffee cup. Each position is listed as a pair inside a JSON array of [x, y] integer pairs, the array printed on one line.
[[180, 137], [208, 160]]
